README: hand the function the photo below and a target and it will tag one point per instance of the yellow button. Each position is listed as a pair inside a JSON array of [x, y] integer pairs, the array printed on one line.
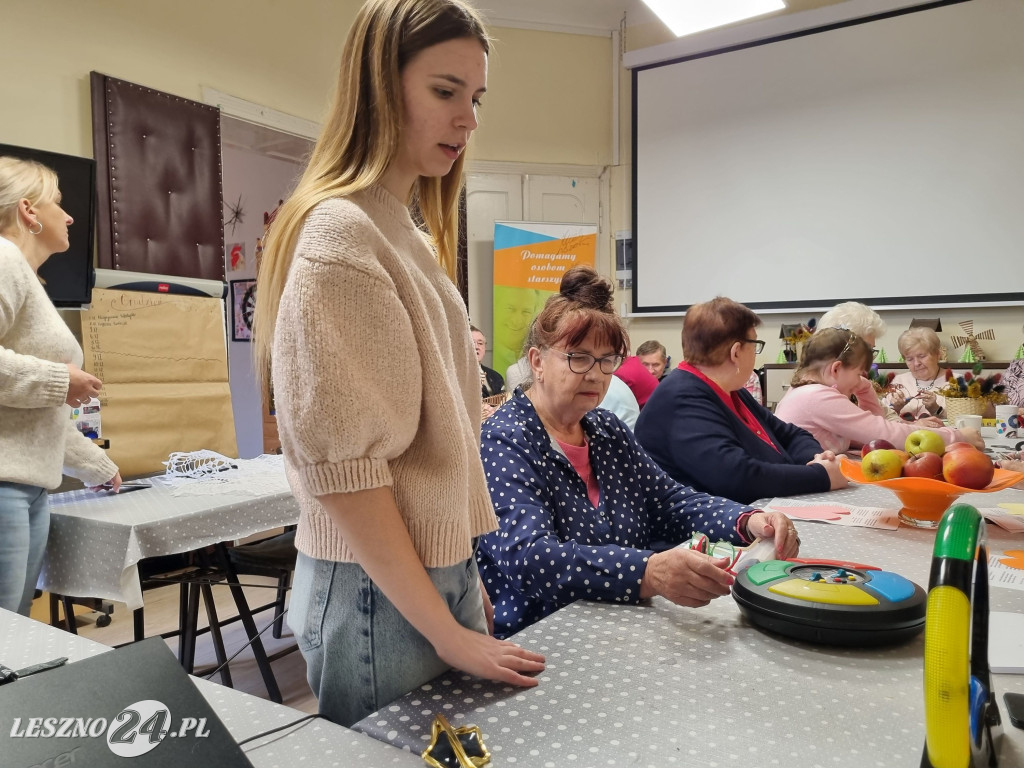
[[819, 592]]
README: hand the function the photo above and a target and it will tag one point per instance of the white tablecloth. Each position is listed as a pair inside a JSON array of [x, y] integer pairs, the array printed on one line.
[[97, 539], [657, 684]]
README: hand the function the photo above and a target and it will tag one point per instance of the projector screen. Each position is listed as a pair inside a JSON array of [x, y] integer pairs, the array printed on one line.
[[880, 160]]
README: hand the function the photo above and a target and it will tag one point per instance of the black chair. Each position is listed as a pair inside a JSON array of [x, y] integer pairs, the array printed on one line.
[[274, 558]]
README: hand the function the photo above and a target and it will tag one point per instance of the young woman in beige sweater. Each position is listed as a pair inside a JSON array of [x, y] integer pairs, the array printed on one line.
[[386, 469]]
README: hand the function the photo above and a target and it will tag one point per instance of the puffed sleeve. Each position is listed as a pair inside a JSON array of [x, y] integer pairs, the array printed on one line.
[[346, 369]]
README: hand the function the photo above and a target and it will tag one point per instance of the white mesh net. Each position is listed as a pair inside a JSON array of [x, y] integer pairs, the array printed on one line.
[[207, 473], [196, 464]]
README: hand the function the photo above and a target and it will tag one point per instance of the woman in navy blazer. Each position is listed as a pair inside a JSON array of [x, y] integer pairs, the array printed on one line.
[[704, 429]]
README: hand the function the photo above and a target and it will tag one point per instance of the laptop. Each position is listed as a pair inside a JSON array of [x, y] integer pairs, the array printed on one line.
[[134, 702]]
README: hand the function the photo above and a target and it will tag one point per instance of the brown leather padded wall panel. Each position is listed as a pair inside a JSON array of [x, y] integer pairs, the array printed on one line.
[[160, 207]]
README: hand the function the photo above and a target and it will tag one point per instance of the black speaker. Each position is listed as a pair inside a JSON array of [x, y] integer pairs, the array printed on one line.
[[68, 277]]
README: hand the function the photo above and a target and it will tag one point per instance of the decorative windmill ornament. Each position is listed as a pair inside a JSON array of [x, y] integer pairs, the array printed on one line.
[[970, 341]]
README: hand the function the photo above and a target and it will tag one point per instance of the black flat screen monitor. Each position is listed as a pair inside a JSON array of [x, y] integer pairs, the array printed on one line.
[[68, 277]]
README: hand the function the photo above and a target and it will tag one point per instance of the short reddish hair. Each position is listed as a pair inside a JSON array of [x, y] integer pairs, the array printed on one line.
[[710, 329], [584, 303]]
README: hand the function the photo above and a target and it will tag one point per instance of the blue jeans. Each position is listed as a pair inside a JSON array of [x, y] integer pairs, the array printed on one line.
[[360, 651], [24, 526]]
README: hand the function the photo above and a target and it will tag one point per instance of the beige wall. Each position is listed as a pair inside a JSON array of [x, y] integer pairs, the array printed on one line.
[[549, 102], [545, 88]]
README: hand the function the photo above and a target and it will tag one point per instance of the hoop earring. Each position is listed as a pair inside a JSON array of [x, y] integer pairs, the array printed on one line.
[[38, 231]]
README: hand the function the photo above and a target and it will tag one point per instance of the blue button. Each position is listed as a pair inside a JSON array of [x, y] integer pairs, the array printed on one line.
[[891, 586]]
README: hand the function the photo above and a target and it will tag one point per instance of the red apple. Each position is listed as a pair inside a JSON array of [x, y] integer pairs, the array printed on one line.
[[881, 465], [902, 454], [959, 446], [876, 445], [925, 464], [968, 469], [921, 440]]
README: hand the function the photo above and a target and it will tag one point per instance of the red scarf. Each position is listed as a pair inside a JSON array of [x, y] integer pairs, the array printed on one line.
[[733, 403]]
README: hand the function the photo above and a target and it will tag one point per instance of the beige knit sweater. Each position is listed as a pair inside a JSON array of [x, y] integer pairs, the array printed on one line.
[[37, 436], [376, 382]]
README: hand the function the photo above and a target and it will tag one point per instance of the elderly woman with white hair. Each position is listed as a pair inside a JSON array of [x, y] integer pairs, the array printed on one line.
[[914, 391], [868, 325]]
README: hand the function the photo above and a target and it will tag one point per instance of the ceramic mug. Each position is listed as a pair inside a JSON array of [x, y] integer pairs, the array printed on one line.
[[1007, 421], [968, 421]]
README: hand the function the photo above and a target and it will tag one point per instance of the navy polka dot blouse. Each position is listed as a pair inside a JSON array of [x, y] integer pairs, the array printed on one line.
[[552, 546]]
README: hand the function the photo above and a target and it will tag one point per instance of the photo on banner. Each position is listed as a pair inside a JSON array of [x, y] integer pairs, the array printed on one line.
[[529, 261]]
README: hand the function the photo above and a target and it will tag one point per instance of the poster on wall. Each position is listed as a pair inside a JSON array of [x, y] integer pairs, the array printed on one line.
[[243, 303], [163, 363], [529, 261]]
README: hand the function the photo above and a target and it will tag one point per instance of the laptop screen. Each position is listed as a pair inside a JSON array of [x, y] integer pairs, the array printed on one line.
[[134, 702]]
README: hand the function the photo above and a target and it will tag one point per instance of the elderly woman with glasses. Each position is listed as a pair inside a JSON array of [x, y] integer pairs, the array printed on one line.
[[831, 367], [583, 511], [705, 429]]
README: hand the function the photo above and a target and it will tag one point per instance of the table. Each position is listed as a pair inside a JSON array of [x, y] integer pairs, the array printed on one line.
[[658, 684], [97, 539], [317, 744]]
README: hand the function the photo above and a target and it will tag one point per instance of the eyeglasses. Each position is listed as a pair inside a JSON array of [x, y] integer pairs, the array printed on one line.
[[581, 362], [758, 344]]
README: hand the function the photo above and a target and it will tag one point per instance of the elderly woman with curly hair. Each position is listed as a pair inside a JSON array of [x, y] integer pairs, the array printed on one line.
[[705, 429], [914, 390]]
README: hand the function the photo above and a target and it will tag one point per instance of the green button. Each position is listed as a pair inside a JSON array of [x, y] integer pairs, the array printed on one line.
[[762, 573]]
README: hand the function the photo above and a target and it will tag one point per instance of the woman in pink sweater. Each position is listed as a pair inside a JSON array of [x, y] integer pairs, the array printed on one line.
[[831, 367]]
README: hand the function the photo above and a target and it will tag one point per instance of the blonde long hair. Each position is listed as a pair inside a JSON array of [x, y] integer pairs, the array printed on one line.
[[23, 180], [361, 136]]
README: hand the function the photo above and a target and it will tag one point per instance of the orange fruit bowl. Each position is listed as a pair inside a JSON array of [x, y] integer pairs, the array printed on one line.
[[925, 499]]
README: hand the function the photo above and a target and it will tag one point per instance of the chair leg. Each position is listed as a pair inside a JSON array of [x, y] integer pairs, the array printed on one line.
[[69, 614], [282, 592], [139, 622], [215, 634], [54, 610], [258, 651], [188, 629]]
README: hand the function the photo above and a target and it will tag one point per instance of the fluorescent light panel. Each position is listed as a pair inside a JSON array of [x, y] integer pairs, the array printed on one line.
[[684, 17]]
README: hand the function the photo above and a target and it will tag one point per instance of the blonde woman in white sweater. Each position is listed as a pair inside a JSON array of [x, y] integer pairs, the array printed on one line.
[[386, 468], [40, 375]]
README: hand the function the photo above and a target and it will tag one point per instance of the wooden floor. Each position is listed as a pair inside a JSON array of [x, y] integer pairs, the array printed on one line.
[[162, 616]]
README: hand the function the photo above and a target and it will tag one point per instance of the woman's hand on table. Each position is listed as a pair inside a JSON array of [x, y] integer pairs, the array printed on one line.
[[113, 484], [775, 525], [687, 578], [930, 421], [490, 658], [830, 462]]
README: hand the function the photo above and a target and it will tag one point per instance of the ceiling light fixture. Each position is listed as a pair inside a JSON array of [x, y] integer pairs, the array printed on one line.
[[684, 17]]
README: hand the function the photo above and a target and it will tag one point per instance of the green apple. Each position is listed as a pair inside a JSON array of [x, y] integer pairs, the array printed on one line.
[[882, 464], [924, 441]]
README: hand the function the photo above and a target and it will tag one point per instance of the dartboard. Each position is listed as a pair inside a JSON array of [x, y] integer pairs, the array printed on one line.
[[249, 305]]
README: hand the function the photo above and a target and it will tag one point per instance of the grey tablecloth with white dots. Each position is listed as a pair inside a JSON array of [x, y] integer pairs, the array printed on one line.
[[317, 743], [658, 684], [97, 539]]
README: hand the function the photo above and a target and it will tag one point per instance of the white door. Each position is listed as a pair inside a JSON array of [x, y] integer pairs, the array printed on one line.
[[562, 199], [492, 197]]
